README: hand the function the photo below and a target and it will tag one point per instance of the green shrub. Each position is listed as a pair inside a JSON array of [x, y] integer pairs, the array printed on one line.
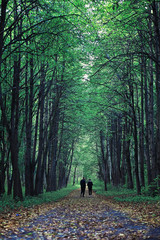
[[153, 189]]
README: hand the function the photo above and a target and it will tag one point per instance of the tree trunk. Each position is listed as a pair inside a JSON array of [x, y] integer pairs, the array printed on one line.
[[118, 149], [53, 139], [29, 190], [151, 109], [127, 156], [156, 9], [38, 181], [141, 137], [3, 152], [135, 138], [123, 164], [74, 175], [2, 26], [2, 107], [70, 165], [17, 190], [2, 167], [149, 177], [102, 139]]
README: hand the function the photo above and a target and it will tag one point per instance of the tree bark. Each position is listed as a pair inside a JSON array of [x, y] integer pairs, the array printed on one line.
[[102, 139], [118, 149], [38, 180], [135, 135], [74, 175], [17, 189], [151, 104], [141, 141], [127, 155], [53, 146], [29, 189], [149, 173], [2, 164], [70, 164], [156, 9]]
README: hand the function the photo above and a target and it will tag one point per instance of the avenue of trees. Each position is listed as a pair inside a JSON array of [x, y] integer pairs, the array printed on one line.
[[79, 93]]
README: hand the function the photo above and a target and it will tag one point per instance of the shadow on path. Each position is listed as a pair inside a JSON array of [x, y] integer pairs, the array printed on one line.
[[88, 217]]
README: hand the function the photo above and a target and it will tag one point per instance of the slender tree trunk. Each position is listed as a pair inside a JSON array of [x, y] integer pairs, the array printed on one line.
[[123, 164], [74, 175], [102, 139], [53, 164], [2, 165], [17, 190], [35, 139], [141, 141], [99, 159], [135, 134], [107, 164], [113, 153], [31, 100], [156, 14], [118, 149], [9, 182], [4, 120], [111, 156], [136, 153], [147, 128], [127, 156], [70, 165], [53, 147], [38, 181], [151, 104], [2, 26], [29, 190]]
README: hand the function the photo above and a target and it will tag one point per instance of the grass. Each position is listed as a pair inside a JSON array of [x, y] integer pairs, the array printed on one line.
[[138, 199], [122, 194], [111, 190], [7, 202]]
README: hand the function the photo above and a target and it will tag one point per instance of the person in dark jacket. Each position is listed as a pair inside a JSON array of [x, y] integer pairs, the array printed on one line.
[[90, 184], [83, 186]]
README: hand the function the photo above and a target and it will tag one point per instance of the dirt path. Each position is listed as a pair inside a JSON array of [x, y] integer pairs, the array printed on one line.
[[75, 217]]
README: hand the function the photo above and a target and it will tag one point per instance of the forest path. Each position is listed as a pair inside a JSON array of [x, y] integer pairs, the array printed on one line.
[[76, 217]]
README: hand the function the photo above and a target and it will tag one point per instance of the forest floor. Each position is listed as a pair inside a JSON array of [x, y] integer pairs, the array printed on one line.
[[89, 217]]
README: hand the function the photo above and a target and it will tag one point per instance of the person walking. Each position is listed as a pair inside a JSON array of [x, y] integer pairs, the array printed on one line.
[[83, 186], [90, 184]]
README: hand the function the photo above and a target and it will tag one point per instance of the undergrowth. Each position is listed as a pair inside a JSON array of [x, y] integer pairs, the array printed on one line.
[[111, 190], [7, 202], [122, 194], [138, 199]]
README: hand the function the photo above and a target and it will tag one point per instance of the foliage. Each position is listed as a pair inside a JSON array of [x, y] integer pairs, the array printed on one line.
[[153, 189]]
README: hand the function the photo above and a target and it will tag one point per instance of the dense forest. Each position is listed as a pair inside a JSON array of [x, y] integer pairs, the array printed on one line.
[[79, 94]]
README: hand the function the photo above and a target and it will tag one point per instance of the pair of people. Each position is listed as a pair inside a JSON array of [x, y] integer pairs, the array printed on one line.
[[83, 186]]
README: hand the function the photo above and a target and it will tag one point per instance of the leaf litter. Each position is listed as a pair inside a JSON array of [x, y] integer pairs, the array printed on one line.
[[75, 217]]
